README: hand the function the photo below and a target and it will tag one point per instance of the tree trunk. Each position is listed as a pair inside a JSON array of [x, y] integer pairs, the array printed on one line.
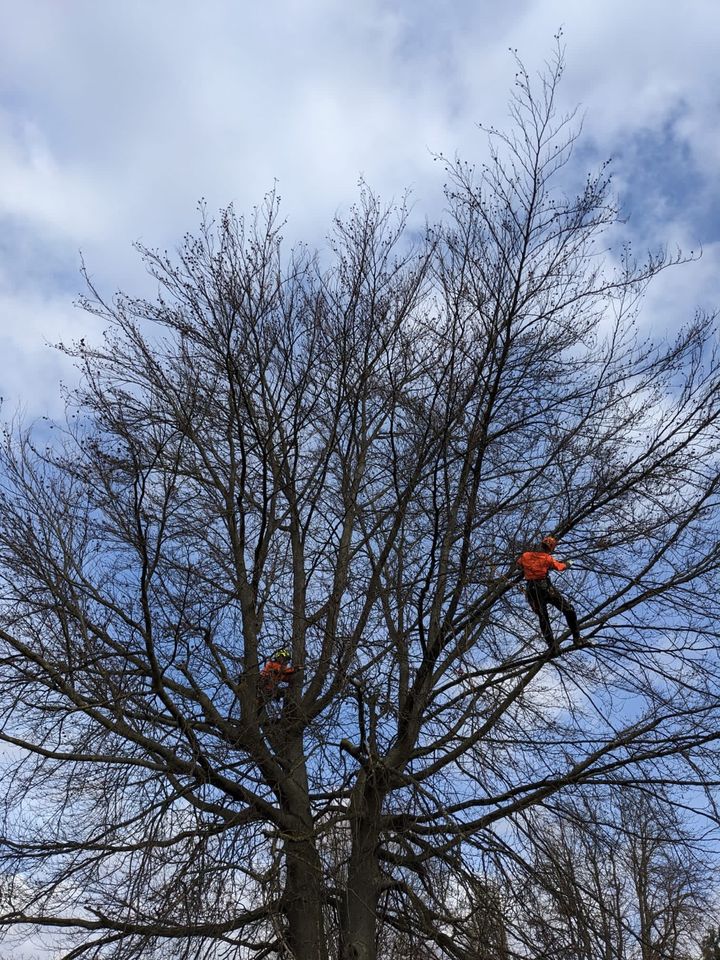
[[304, 894], [358, 927], [304, 900]]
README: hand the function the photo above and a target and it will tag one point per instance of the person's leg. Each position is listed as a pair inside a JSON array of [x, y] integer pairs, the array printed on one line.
[[566, 608], [537, 599]]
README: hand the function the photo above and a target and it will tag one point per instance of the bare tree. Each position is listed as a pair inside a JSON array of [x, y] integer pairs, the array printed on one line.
[[345, 459], [619, 876]]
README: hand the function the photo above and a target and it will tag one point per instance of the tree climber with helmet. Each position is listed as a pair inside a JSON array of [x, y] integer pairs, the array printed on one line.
[[275, 675], [536, 566]]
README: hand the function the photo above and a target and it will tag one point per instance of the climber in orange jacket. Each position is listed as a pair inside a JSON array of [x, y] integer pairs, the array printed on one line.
[[275, 672], [536, 566]]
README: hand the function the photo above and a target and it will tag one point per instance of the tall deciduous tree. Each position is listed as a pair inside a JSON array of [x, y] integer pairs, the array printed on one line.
[[345, 457]]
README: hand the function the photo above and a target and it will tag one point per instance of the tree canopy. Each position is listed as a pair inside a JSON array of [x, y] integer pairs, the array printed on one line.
[[344, 456]]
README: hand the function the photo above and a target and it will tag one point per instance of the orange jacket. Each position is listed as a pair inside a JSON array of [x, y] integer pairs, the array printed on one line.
[[274, 673], [537, 565]]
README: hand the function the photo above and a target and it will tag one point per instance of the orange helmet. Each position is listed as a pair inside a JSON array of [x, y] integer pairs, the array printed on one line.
[[549, 542]]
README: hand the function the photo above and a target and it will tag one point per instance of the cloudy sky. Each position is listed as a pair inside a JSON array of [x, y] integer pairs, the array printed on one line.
[[116, 116]]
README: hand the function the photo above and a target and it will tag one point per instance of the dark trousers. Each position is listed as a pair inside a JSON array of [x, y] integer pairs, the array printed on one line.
[[540, 593]]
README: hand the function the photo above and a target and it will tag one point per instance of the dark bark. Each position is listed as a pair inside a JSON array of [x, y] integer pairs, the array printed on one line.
[[304, 894], [304, 898], [359, 919]]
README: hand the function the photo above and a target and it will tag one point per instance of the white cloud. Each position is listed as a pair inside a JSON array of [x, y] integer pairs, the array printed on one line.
[[116, 118], [31, 369], [42, 193]]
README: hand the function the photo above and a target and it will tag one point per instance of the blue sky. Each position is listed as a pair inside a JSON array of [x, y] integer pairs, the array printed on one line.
[[115, 117]]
